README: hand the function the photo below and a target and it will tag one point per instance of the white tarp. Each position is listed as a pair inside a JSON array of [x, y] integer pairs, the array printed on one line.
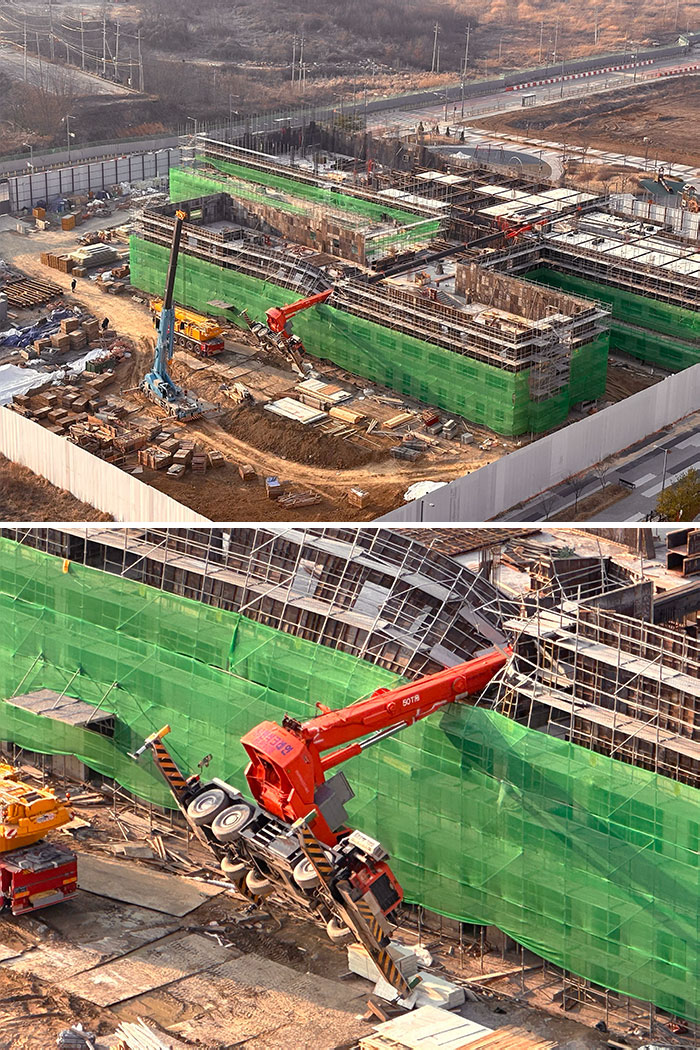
[[15, 380]]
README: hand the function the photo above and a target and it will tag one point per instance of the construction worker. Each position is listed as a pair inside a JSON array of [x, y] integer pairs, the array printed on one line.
[[105, 324], [73, 285]]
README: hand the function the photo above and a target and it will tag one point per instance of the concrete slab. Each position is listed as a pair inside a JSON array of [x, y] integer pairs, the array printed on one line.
[[106, 926], [125, 882], [54, 962], [153, 966]]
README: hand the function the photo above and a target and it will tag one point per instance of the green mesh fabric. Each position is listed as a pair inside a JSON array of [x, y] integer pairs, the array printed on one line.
[[479, 392], [641, 326], [592, 863], [314, 194]]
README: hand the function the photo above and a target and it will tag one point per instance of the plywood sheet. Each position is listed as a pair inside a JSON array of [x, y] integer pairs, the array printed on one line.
[[126, 882]]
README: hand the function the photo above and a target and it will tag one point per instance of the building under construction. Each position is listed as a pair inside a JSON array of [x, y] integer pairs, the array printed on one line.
[[561, 810], [494, 350]]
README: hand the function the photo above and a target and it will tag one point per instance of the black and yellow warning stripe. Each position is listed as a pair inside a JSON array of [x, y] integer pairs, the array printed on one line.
[[372, 923], [316, 854], [175, 779], [391, 972]]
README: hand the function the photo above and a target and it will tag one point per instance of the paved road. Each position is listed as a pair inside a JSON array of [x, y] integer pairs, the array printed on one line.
[[42, 73], [643, 466]]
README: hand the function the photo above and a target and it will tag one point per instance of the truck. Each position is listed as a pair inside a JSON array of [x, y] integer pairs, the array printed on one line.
[[192, 331], [292, 837], [33, 874]]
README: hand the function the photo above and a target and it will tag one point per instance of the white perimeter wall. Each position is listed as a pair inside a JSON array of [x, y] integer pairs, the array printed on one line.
[[26, 190], [100, 484], [522, 474]]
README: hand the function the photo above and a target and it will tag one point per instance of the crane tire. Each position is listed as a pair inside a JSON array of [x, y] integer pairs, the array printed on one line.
[[228, 824], [234, 870], [338, 933], [206, 806], [258, 884], [305, 875]]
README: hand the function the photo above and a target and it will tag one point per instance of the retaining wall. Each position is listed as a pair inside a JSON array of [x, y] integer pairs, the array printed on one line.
[[90, 479]]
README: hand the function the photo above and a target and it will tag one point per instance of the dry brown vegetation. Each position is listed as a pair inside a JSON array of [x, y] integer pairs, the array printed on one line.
[[26, 497], [663, 111]]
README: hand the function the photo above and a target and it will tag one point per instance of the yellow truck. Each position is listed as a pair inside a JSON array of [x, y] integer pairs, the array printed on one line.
[[193, 331]]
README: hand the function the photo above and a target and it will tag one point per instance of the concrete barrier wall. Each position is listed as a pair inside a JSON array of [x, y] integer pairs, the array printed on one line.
[[26, 190], [492, 490], [100, 484]]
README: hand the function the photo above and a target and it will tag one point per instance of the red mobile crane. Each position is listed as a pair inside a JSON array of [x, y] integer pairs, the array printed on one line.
[[274, 335], [277, 316], [294, 838]]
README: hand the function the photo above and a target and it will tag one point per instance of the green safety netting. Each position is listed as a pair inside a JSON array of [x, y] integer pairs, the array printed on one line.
[[186, 185], [592, 863], [641, 326], [480, 392], [336, 198]]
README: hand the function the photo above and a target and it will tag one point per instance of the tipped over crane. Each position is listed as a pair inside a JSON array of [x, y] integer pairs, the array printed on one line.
[[294, 839]]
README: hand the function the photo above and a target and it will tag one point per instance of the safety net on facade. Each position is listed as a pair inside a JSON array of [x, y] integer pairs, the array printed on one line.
[[454, 382], [592, 863], [641, 326]]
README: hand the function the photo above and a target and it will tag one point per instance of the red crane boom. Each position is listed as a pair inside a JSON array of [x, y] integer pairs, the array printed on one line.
[[277, 316], [287, 767]]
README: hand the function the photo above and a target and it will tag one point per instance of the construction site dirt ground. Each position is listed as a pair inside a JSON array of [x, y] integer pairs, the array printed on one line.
[[199, 965], [620, 121], [308, 459]]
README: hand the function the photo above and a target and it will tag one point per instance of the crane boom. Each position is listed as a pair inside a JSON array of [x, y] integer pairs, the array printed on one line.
[[277, 316], [158, 383], [287, 769], [293, 840]]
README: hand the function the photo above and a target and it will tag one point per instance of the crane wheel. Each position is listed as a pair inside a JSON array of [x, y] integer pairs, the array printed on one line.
[[234, 870], [206, 806], [258, 884], [228, 824], [338, 933], [305, 875]]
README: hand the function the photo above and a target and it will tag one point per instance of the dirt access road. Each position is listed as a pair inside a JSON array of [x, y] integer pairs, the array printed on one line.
[[282, 448]]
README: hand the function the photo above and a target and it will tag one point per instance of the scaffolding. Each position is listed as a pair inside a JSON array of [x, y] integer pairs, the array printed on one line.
[[611, 683], [374, 595]]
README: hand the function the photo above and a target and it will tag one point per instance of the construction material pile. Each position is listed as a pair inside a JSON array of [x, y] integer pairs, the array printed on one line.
[[176, 456], [44, 328]]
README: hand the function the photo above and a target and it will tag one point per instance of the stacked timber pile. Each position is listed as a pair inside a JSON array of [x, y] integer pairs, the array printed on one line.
[[431, 1028], [26, 292], [137, 1035], [63, 263]]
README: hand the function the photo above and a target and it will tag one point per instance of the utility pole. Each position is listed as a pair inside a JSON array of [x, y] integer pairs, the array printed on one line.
[[82, 40], [435, 47], [51, 40], [294, 56], [675, 24], [116, 52], [500, 47], [595, 25], [131, 68], [104, 45], [556, 41], [464, 67], [25, 49], [138, 38], [301, 59], [539, 59], [38, 53]]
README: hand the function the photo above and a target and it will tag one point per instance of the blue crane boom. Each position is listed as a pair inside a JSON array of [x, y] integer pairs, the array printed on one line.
[[158, 384]]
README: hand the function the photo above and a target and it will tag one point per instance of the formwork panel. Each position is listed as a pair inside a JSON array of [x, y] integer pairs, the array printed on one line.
[[642, 326], [590, 862], [478, 391]]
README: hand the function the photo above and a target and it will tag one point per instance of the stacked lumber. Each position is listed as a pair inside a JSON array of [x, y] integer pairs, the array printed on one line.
[[137, 1035], [216, 458], [299, 499], [154, 457], [64, 263], [398, 420], [200, 462], [29, 292]]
